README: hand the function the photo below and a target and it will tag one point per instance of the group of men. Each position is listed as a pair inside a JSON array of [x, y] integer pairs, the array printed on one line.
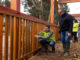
[[67, 30]]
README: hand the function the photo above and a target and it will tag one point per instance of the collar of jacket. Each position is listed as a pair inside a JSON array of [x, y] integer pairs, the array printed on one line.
[[64, 14]]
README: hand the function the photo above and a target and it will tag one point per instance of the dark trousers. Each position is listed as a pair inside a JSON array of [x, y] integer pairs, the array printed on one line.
[[44, 44], [65, 41], [74, 34]]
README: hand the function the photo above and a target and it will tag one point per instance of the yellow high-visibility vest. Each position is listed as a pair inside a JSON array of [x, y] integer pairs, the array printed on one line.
[[75, 27]]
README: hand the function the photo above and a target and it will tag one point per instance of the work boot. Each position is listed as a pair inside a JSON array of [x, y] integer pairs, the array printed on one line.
[[67, 48], [66, 54], [75, 41], [64, 48], [53, 49], [67, 51]]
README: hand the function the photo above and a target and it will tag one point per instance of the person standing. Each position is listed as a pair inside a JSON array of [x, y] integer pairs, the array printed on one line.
[[75, 30], [66, 25]]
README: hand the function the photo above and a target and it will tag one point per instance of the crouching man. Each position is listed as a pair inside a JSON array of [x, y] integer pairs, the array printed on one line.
[[46, 37]]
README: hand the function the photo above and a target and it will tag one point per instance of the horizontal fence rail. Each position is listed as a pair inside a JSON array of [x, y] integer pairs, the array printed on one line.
[[17, 30]]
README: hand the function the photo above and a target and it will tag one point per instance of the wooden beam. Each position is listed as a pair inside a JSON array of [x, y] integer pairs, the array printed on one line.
[[52, 12], [56, 4], [15, 5], [76, 15], [68, 1]]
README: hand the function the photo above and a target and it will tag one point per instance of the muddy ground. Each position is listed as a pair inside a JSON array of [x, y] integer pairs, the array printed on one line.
[[58, 55]]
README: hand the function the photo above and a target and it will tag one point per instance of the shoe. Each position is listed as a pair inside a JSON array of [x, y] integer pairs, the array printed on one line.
[[53, 50], [75, 41], [64, 48], [63, 51], [66, 54]]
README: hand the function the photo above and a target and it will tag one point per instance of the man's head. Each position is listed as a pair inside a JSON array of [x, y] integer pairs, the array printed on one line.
[[75, 21], [61, 11], [47, 28]]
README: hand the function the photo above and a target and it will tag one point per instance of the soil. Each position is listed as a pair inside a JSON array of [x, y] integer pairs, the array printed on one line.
[[58, 55]]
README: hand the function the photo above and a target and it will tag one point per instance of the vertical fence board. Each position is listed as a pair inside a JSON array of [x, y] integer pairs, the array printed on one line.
[[17, 36], [22, 37], [33, 38], [6, 37], [26, 37], [38, 28], [30, 36], [14, 38], [1, 31], [19, 46], [11, 38]]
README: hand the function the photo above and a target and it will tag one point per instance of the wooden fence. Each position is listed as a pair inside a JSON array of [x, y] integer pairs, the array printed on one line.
[[17, 30]]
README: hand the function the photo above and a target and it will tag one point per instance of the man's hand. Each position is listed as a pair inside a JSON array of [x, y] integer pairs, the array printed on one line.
[[69, 34], [36, 36]]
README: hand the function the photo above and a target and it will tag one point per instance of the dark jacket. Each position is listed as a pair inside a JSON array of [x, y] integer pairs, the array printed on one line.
[[66, 22]]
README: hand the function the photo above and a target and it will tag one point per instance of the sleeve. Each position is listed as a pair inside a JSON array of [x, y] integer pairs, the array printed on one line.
[[70, 21], [51, 33], [41, 35]]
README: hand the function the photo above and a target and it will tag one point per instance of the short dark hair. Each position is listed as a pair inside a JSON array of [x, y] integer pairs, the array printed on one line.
[[48, 25], [76, 21], [63, 9]]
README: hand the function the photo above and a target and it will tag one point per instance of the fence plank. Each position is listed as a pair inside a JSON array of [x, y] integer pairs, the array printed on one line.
[[11, 38], [19, 50], [26, 37], [17, 36], [6, 37], [14, 38], [1, 27], [33, 38], [22, 37]]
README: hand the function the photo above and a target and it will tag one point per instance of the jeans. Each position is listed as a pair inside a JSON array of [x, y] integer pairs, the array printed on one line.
[[44, 44], [65, 39]]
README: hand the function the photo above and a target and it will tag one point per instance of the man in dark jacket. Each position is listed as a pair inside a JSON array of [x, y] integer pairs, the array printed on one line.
[[66, 25]]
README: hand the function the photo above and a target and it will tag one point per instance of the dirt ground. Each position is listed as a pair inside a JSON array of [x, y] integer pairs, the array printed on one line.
[[58, 55]]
